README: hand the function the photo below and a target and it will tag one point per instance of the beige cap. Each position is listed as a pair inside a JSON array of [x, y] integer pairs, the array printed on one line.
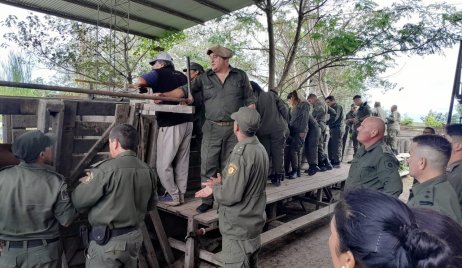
[[220, 51]]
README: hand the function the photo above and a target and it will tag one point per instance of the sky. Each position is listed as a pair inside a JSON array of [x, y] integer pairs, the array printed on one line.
[[423, 82]]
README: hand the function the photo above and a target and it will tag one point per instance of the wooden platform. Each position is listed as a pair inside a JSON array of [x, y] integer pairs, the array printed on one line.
[[319, 185]]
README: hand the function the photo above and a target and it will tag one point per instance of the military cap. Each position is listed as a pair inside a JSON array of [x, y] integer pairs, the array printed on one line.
[[161, 56], [29, 145], [223, 52], [247, 118], [195, 66]]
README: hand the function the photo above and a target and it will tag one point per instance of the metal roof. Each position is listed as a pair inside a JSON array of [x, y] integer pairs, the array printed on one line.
[[148, 18]]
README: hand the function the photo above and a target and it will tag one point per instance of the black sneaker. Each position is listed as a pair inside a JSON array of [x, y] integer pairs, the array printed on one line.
[[276, 180], [293, 175], [313, 170], [204, 208]]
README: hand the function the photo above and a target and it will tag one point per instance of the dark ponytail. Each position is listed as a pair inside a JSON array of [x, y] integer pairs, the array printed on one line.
[[381, 231]]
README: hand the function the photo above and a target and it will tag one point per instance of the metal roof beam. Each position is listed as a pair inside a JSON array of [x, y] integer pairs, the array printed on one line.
[[213, 6], [168, 10], [122, 14]]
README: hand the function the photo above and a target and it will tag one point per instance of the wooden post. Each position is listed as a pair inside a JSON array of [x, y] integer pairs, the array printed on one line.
[[162, 236], [190, 250], [150, 252], [68, 134], [7, 129]]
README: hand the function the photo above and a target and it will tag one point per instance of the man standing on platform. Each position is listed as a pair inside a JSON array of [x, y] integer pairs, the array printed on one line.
[[224, 89], [241, 193], [454, 170], [374, 166], [362, 112], [34, 202], [336, 128], [117, 194], [175, 131], [393, 121]]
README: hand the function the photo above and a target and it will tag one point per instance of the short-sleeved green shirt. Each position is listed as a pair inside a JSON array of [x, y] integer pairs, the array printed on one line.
[[33, 202], [117, 192], [375, 168]]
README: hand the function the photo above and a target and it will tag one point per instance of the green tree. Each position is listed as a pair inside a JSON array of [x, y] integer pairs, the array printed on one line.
[[435, 119]]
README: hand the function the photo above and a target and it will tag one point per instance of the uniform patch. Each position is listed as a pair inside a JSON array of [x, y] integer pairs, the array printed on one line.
[[232, 169], [64, 193], [87, 179], [389, 164]]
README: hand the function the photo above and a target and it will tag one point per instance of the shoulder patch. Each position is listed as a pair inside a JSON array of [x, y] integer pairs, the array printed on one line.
[[390, 164], [232, 169], [89, 178]]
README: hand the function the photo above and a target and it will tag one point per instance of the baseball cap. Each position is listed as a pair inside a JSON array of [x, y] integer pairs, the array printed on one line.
[[29, 145], [247, 118], [195, 66], [223, 52], [161, 56]]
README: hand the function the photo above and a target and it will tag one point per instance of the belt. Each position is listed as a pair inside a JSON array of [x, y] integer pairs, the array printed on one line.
[[122, 231], [222, 123], [30, 243]]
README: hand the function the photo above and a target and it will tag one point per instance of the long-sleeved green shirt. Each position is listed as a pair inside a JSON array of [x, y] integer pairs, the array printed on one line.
[[274, 115], [241, 196], [437, 194], [375, 168], [222, 99], [33, 202], [337, 120], [117, 192], [299, 115]]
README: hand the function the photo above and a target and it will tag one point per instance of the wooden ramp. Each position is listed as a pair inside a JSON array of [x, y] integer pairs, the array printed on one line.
[[318, 186]]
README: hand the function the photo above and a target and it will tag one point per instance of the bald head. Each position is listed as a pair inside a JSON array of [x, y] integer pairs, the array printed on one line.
[[371, 131]]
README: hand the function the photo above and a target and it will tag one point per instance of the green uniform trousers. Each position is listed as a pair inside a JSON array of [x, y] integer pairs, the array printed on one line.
[[335, 145], [322, 145], [217, 144], [392, 140], [274, 145], [354, 138], [311, 145], [240, 253], [120, 251], [45, 256], [293, 153]]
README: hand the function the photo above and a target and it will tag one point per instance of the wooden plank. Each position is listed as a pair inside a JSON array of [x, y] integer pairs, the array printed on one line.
[[7, 129], [76, 158], [90, 128], [96, 118], [203, 254], [190, 249], [296, 224], [24, 121], [122, 112], [150, 252], [15, 105], [67, 142], [82, 146], [151, 109], [162, 236], [96, 108]]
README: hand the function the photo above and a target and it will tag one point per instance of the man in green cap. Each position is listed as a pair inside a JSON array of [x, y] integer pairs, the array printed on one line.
[[374, 166], [117, 194], [241, 194], [224, 89], [33, 203], [429, 155]]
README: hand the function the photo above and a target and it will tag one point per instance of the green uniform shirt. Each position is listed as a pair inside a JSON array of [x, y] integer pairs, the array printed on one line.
[[241, 196], [117, 192], [436, 194], [454, 175], [337, 120], [375, 168], [362, 113], [393, 120], [320, 111], [273, 113], [221, 100], [348, 116], [299, 117], [33, 202]]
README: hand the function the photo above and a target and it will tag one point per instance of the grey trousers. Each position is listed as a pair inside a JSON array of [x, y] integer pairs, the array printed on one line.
[[173, 144], [45, 256], [217, 145], [335, 144]]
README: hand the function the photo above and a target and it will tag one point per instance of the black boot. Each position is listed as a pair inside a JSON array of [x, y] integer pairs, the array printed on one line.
[[327, 165], [271, 177], [312, 170], [276, 180], [298, 173], [293, 175]]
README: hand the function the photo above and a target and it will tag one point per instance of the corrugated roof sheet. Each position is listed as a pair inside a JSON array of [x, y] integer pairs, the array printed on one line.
[[148, 18]]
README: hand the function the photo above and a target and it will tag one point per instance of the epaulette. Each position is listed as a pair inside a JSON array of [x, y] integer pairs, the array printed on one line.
[[99, 163], [240, 149]]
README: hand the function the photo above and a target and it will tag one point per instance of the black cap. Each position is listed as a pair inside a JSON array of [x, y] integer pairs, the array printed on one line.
[[29, 145], [195, 66]]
